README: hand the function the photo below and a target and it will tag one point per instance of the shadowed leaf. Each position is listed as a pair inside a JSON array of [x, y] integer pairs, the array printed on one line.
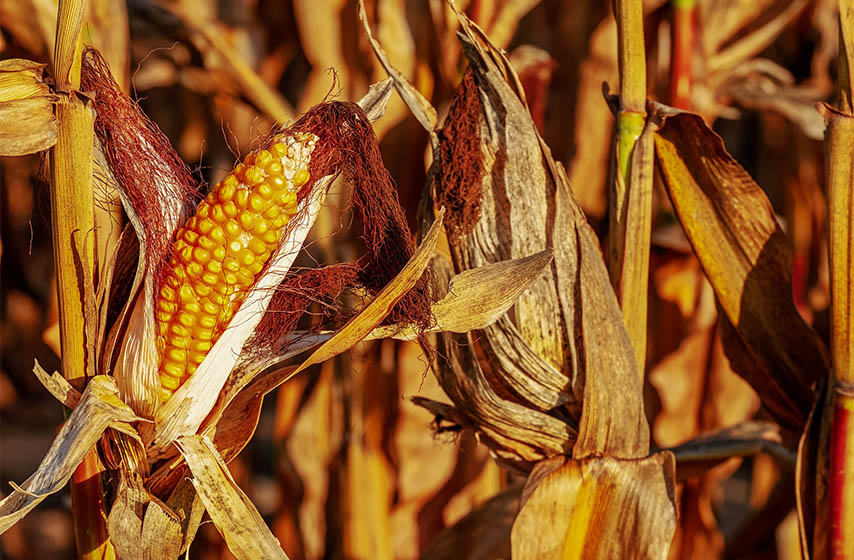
[[746, 257]]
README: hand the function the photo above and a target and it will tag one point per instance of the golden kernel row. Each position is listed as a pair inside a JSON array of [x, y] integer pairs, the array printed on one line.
[[220, 251]]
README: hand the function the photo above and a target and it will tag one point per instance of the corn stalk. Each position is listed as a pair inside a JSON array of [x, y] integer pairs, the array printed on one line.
[[72, 201], [683, 38], [840, 173], [630, 202]]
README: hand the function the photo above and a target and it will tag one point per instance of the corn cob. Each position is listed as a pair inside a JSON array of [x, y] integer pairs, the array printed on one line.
[[220, 251]]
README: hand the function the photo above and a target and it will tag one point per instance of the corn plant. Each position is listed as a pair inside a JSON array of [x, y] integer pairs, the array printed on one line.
[[173, 329]]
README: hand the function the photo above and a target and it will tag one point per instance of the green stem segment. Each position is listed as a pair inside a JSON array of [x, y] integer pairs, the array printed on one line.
[[630, 203]]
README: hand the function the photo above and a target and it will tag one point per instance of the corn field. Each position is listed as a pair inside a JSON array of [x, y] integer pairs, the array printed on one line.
[[436, 279]]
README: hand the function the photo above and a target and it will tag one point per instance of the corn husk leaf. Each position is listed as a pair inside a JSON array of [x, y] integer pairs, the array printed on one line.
[[27, 120], [58, 386], [425, 113], [99, 409], [141, 526], [700, 454], [477, 298], [483, 534], [599, 507], [746, 257], [240, 524]]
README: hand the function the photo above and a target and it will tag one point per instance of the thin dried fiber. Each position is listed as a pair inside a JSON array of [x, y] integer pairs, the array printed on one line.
[[139, 154], [460, 178], [347, 143], [292, 299]]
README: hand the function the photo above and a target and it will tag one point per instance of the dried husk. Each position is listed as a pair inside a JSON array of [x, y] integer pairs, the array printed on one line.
[[98, 409], [611, 508], [240, 524], [27, 120]]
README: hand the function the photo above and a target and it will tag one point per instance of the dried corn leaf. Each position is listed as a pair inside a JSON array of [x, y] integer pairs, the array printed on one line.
[[58, 386], [141, 527], [763, 29], [27, 121], [417, 103], [99, 408], [185, 502], [240, 524], [696, 456], [746, 257], [483, 534], [477, 297], [597, 508]]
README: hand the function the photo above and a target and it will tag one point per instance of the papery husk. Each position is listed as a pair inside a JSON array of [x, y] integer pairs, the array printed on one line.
[[524, 352], [240, 524], [141, 527], [27, 120], [599, 507], [99, 408], [745, 256]]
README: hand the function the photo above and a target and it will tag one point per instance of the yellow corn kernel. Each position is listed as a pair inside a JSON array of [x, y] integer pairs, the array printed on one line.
[[220, 251]]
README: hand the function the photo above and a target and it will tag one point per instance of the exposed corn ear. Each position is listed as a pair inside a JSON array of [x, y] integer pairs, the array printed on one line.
[[220, 251]]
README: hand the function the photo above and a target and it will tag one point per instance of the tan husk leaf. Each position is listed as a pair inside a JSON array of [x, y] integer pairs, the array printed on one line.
[[99, 408], [27, 120], [240, 524], [747, 259], [600, 507], [477, 297], [141, 526]]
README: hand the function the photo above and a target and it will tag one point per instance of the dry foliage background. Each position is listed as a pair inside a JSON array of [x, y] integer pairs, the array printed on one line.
[[344, 465]]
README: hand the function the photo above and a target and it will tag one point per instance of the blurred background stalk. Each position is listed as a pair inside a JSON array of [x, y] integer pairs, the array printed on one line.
[[73, 222], [683, 39]]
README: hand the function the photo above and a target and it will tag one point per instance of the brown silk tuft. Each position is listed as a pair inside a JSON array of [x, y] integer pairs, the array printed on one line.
[[347, 143], [460, 182], [139, 154]]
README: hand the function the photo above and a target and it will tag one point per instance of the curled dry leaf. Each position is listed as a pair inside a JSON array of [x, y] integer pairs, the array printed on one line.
[[27, 121], [746, 257], [240, 524], [99, 408], [140, 526], [583, 495], [477, 298]]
